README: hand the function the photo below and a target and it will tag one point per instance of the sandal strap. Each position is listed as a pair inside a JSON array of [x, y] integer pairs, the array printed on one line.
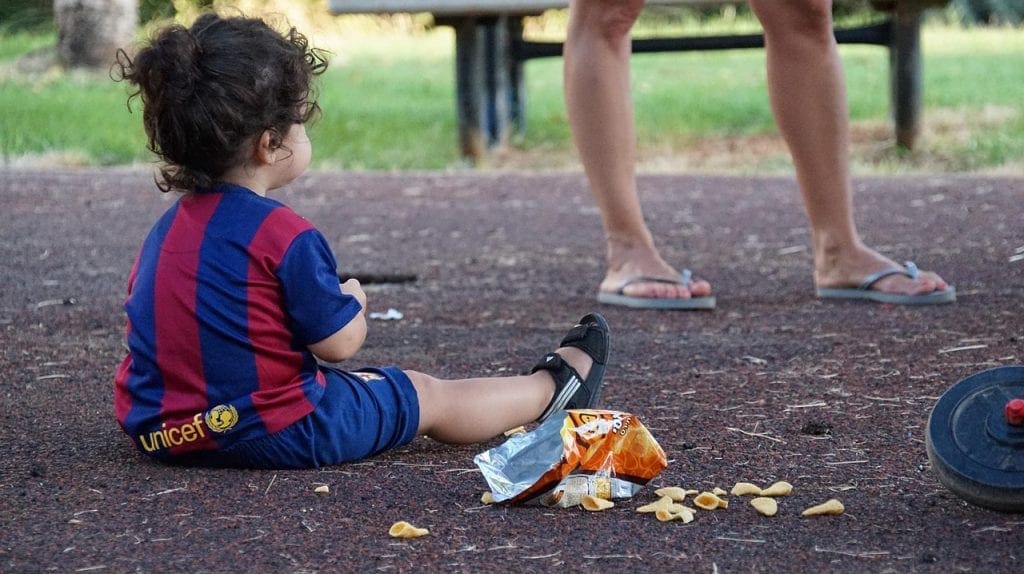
[[588, 338], [567, 382]]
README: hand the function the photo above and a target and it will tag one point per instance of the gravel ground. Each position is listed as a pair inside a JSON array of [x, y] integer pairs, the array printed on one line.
[[488, 271]]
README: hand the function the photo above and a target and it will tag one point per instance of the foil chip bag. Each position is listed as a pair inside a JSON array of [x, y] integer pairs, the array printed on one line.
[[607, 454]]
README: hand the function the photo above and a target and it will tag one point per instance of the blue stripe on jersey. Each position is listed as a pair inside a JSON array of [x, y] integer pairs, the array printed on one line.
[[221, 303], [145, 382]]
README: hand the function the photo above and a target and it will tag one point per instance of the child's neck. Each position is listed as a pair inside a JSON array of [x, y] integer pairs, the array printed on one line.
[[247, 177]]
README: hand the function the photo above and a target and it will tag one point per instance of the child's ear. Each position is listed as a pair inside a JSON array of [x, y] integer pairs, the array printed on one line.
[[265, 150]]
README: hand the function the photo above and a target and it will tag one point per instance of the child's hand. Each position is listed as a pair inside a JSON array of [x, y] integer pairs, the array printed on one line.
[[353, 288]]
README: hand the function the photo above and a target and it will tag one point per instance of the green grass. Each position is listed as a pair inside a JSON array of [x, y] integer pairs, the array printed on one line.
[[14, 44], [81, 119], [389, 104]]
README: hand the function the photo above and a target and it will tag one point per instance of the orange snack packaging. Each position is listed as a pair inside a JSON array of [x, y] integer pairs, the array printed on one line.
[[607, 454]]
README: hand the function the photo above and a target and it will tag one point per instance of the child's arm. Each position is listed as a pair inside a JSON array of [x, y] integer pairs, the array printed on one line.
[[347, 341]]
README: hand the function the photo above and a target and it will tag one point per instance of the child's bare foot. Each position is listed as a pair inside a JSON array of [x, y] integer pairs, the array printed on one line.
[[578, 366]]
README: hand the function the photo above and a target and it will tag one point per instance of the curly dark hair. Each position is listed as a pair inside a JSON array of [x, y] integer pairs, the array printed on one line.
[[208, 90]]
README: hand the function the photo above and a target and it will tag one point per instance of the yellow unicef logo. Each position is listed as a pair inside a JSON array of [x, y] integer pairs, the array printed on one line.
[[221, 418]]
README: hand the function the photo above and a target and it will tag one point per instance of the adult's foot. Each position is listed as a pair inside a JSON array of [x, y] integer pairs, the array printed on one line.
[[849, 269], [627, 262]]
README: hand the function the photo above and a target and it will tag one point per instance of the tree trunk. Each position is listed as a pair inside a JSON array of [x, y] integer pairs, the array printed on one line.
[[91, 31]]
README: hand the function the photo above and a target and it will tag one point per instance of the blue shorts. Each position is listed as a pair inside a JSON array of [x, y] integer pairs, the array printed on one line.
[[362, 413]]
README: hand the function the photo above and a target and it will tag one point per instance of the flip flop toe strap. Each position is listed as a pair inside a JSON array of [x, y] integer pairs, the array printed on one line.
[[685, 279], [909, 269]]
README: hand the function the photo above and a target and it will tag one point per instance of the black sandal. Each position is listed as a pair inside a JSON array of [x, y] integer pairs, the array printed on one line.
[[591, 335]]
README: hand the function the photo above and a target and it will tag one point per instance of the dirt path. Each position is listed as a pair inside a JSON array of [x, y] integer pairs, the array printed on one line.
[[773, 385]]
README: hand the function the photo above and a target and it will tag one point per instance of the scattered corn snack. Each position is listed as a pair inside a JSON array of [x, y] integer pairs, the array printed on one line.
[[709, 501], [719, 492], [595, 504], [517, 430], [664, 515], [676, 493], [764, 505], [403, 529], [663, 503], [676, 508], [487, 498], [781, 488], [684, 515], [322, 489], [745, 488], [830, 506]]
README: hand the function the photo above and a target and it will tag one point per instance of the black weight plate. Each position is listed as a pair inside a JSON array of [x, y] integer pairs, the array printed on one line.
[[973, 450]]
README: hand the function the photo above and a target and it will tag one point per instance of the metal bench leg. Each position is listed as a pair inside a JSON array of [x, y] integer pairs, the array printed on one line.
[[905, 69], [516, 79], [499, 82], [470, 88]]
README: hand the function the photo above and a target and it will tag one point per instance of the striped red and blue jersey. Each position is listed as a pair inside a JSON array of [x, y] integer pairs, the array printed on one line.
[[226, 294]]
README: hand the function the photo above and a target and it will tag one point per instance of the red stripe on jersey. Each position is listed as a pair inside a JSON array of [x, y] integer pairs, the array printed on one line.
[[178, 350], [122, 398], [280, 399]]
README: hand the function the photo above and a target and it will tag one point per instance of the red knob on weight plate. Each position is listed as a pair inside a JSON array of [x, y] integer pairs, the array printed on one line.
[[1015, 412]]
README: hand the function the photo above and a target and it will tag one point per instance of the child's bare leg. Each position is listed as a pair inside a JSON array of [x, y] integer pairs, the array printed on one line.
[[465, 411]]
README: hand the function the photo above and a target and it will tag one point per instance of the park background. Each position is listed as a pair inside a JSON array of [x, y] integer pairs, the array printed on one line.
[[389, 104], [488, 266]]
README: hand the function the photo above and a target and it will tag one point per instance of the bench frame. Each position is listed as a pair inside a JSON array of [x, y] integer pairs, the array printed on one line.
[[490, 52]]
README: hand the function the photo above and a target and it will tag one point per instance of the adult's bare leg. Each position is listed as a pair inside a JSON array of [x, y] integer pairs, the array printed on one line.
[[600, 109], [808, 96]]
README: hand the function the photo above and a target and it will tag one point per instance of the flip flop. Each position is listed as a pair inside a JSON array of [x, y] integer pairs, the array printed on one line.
[[618, 297], [865, 292]]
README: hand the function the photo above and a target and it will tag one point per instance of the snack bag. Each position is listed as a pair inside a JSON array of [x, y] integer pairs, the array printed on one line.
[[607, 454]]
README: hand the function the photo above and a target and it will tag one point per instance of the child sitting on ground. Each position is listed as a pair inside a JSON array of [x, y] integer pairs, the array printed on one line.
[[234, 296]]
